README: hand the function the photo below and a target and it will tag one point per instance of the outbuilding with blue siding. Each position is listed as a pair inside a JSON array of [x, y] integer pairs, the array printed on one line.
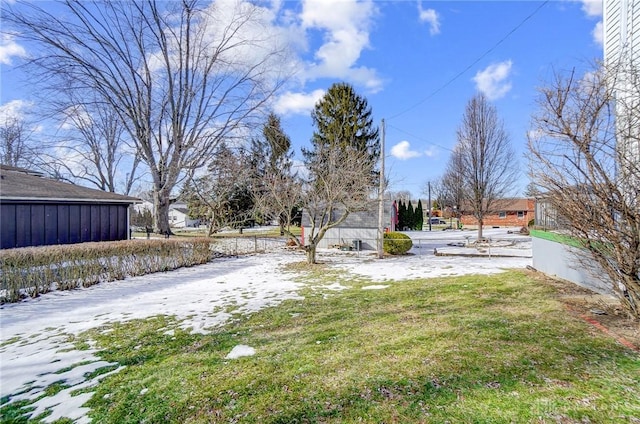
[[36, 211]]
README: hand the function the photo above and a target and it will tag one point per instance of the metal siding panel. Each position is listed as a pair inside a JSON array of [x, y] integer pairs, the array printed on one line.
[[113, 222], [74, 224], [23, 225], [8, 226], [85, 223], [95, 223], [122, 222], [37, 225], [51, 224], [63, 224], [104, 222]]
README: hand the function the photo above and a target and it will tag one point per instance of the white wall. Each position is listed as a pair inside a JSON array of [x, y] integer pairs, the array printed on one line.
[[562, 261]]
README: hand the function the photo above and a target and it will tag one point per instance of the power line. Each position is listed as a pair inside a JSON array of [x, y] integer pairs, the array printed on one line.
[[459, 74], [418, 137]]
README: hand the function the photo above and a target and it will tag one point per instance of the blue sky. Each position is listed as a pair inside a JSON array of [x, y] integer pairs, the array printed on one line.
[[417, 63]]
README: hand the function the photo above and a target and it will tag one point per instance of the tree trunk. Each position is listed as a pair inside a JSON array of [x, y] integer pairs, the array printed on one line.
[[311, 253], [480, 223], [161, 204]]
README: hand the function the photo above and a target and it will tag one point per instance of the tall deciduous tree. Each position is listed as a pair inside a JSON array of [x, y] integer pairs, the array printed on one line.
[[450, 192], [181, 76], [95, 150], [483, 160], [15, 146], [585, 151]]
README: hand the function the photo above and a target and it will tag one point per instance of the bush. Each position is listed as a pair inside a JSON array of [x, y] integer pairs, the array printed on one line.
[[531, 222], [35, 270], [397, 243]]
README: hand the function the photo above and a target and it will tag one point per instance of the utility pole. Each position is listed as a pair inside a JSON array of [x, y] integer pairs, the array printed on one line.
[[429, 206], [381, 197]]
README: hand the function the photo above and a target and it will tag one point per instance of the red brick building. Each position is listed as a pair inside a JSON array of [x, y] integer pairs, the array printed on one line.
[[507, 213]]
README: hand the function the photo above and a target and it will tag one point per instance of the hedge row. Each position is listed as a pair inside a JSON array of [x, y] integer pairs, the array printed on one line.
[[35, 270]]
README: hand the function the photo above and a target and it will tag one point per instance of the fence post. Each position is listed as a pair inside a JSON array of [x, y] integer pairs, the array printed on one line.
[[255, 244]]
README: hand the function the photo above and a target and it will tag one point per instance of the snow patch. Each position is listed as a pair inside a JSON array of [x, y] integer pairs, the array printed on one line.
[[241, 350], [374, 287]]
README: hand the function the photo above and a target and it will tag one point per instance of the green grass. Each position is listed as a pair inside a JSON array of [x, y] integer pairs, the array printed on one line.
[[476, 349]]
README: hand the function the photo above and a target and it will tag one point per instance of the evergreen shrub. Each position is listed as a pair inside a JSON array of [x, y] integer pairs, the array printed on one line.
[[396, 243]]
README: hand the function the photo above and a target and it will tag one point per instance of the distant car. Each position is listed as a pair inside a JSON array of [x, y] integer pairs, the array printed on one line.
[[435, 220]]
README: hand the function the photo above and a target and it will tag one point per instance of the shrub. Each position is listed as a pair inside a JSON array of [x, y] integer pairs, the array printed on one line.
[[397, 243], [35, 270]]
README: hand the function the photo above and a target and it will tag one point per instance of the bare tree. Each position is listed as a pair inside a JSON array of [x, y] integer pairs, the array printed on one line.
[[338, 184], [585, 148], [15, 146], [483, 161], [95, 150], [403, 195], [180, 76]]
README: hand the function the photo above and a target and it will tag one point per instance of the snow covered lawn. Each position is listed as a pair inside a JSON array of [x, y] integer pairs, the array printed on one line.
[[37, 338]]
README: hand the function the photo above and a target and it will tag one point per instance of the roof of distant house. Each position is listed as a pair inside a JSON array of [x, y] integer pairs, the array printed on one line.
[[508, 204], [23, 184]]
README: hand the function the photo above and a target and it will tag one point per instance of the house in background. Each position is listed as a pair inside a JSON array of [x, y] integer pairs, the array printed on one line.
[[179, 217], [36, 211], [515, 212]]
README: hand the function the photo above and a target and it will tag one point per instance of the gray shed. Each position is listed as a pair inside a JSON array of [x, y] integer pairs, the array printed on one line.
[[362, 226], [35, 211]]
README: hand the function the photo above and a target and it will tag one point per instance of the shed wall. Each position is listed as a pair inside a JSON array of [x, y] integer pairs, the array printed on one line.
[[37, 224]]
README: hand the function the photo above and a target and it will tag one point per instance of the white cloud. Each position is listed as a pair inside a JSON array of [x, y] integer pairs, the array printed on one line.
[[10, 49], [15, 109], [598, 34], [345, 26], [431, 17], [403, 151], [297, 103], [493, 80], [431, 152], [592, 7]]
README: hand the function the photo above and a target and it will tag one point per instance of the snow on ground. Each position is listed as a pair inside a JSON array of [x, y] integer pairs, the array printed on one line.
[[36, 335], [505, 251]]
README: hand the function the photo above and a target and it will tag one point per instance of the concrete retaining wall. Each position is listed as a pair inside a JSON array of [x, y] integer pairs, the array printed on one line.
[[562, 261]]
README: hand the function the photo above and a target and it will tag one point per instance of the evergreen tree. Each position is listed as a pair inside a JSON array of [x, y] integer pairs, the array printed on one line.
[[270, 157], [272, 152], [410, 216], [419, 216], [402, 215], [343, 119]]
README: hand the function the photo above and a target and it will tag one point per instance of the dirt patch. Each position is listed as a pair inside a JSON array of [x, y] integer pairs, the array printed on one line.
[[604, 313]]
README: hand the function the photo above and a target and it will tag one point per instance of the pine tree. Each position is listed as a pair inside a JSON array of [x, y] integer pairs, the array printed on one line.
[[419, 216], [410, 216], [344, 119], [402, 215]]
